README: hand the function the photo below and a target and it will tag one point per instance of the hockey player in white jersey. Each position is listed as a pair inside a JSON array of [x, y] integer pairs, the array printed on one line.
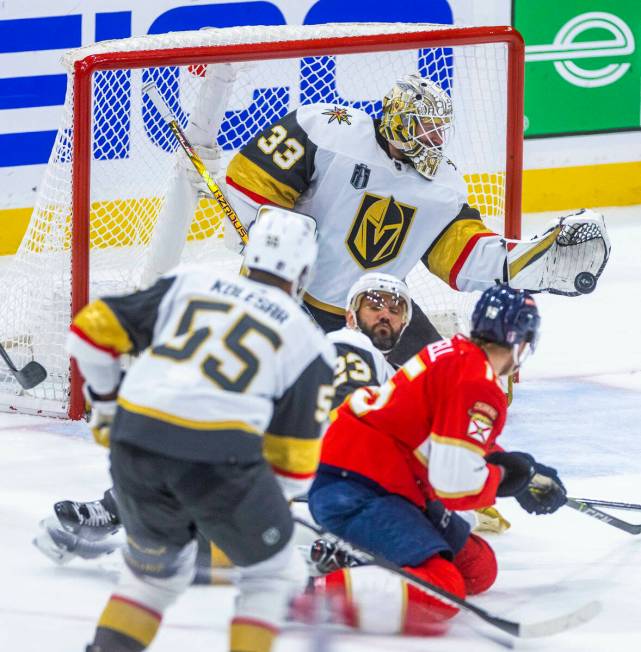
[[378, 309], [386, 196], [217, 424]]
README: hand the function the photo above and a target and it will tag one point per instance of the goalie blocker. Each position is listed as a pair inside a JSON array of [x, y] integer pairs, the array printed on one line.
[[566, 259]]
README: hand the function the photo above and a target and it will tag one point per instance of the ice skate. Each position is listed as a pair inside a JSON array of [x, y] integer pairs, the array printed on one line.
[[325, 556], [61, 546], [91, 521]]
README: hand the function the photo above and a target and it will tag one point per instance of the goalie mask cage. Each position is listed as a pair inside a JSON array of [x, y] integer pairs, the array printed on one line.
[[94, 227]]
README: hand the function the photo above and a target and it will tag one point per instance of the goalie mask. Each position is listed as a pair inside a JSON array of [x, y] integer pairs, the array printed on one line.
[[418, 119], [283, 243], [507, 317], [380, 291]]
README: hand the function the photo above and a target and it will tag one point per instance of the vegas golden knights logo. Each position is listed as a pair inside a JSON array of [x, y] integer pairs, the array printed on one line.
[[379, 229]]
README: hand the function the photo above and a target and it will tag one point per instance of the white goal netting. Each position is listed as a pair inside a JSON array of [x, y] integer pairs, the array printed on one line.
[[131, 158]]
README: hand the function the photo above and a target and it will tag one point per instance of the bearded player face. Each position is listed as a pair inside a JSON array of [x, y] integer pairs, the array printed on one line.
[[381, 317]]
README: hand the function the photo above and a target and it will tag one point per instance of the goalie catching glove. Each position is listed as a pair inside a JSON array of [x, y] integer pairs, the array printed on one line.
[[566, 259], [536, 487]]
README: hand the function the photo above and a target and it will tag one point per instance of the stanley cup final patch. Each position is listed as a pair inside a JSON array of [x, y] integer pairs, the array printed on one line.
[[482, 417], [360, 176]]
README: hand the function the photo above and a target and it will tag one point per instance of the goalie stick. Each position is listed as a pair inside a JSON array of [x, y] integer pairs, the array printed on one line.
[[587, 509], [32, 374], [161, 106], [515, 628]]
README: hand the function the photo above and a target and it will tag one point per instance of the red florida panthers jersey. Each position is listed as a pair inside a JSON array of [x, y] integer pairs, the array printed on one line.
[[425, 432]]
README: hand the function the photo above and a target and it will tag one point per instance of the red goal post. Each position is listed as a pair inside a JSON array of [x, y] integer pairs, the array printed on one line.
[[201, 48]]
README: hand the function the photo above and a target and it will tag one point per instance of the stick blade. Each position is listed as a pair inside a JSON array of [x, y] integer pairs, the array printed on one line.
[[32, 374], [561, 623]]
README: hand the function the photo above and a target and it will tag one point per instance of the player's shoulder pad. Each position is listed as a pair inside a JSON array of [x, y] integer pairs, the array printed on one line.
[[305, 336], [183, 270], [449, 176], [199, 277], [481, 384], [336, 128], [347, 340], [352, 339]]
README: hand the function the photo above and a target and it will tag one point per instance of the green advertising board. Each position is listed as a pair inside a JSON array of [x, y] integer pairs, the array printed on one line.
[[583, 65]]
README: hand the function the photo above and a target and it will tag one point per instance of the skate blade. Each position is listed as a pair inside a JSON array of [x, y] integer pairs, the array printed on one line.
[[48, 547]]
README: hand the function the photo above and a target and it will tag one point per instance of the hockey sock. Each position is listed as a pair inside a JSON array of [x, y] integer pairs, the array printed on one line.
[[477, 563], [426, 615], [126, 626], [247, 635], [383, 603]]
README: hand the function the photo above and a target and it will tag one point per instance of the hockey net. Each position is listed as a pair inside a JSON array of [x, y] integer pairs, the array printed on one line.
[[94, 227]]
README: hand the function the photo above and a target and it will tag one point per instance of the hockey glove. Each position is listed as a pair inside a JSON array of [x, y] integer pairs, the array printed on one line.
[[103, 410], [545, 492], [536, 487], [517, 471]]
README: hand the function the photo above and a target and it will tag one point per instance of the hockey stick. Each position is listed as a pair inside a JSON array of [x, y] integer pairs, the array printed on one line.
[[586, 508], [595, 502], [520, 630], [155, 98], [32, 374]]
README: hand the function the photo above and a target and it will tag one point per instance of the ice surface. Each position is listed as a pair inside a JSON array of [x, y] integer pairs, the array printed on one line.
[[578, 407]]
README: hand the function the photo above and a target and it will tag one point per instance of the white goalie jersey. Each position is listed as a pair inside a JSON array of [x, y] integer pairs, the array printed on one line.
[[373, 211], [376, 212]]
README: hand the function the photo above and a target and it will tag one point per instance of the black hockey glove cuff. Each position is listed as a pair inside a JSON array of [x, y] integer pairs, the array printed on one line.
[[452, 527], [518, 471], [545, 492]]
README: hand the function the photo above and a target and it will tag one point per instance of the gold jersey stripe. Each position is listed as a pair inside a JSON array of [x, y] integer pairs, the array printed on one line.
[[450, 245], [405, 599], [129, 619], [290, 454], [245, 173], [327, 307], [413, 367], [251, 636], [192, 424], [523, 261], [458, 494], [100, 324], [421, 457], [461, 443]]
